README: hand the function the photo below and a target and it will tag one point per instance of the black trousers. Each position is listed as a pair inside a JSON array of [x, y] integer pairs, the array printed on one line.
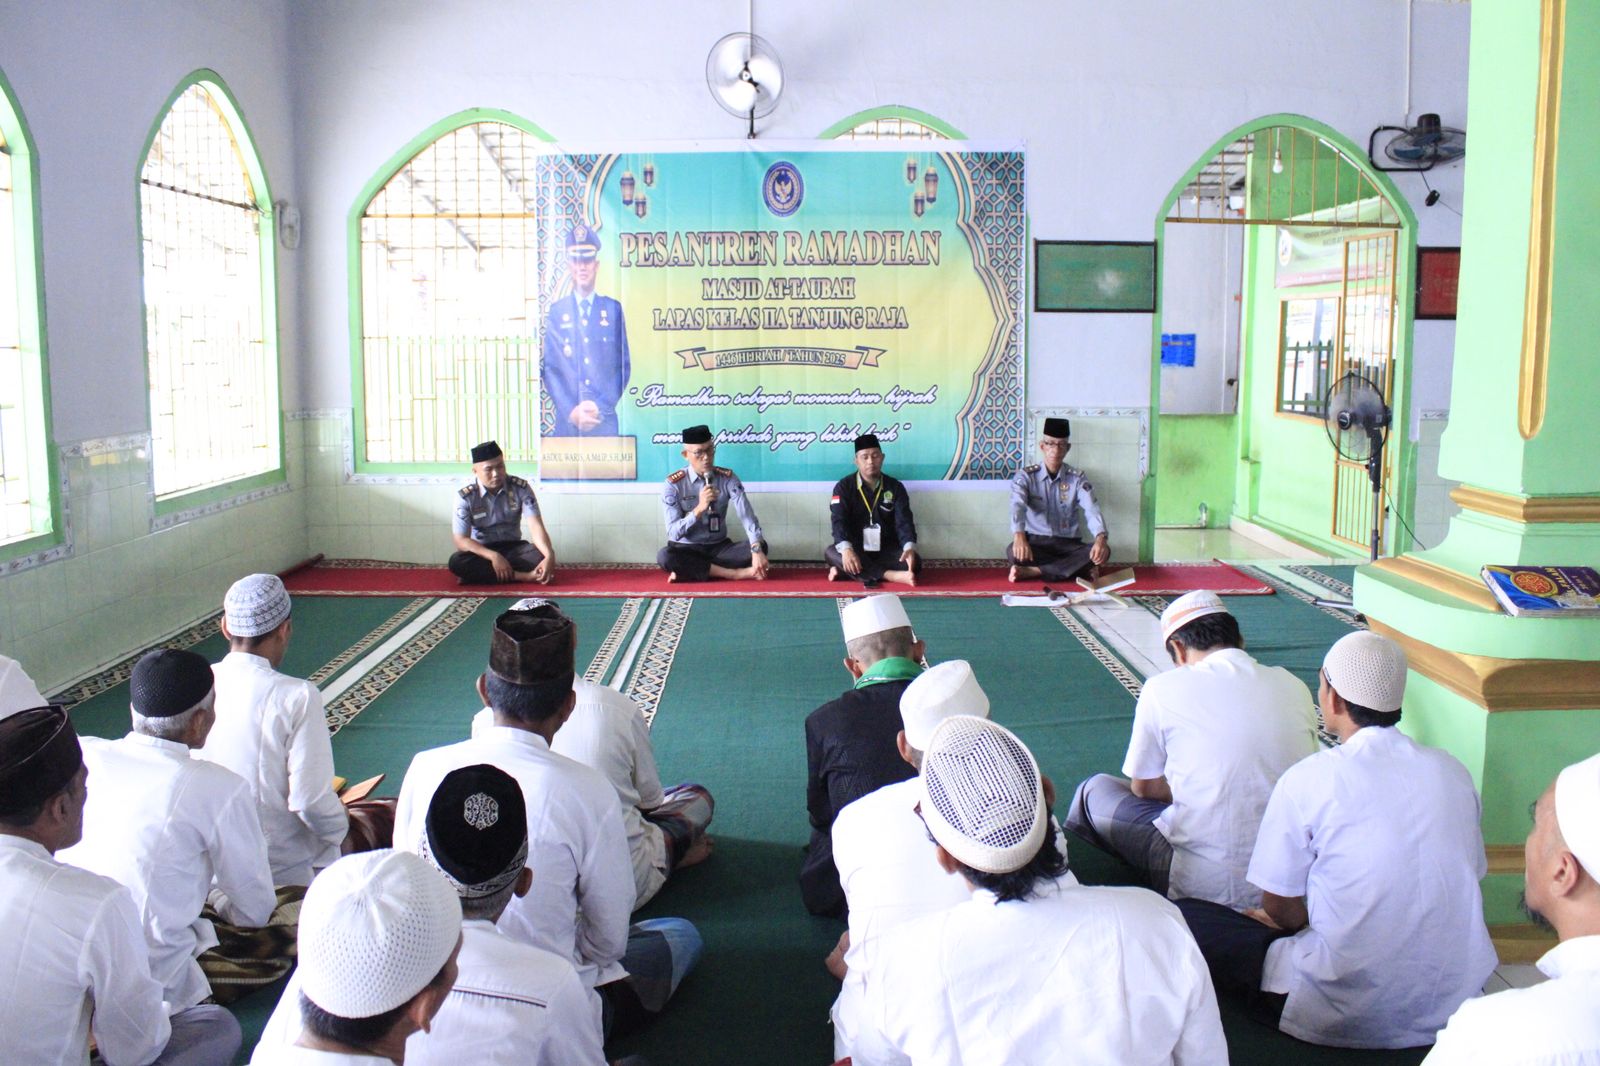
[[476, 570], [693, 562], [873, 564], [1058, 558], [1235, 949]]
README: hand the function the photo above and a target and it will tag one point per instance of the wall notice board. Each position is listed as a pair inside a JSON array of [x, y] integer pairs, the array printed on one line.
[[1094, 276]]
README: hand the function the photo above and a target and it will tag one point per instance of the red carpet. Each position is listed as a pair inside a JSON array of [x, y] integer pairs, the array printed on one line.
[[361, 577]]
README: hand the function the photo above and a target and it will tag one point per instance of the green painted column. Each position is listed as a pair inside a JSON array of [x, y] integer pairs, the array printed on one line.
[[1515, 698]]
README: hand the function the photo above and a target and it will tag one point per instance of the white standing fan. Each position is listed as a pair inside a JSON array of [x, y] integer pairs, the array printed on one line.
[[745, 76]]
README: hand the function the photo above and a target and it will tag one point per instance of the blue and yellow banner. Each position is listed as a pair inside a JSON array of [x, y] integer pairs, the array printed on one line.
[[790, 297]]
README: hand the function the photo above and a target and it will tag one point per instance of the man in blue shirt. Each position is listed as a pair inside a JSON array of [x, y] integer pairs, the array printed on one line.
[[1046, 501], [586, 362], [487, 529], [695, 504]]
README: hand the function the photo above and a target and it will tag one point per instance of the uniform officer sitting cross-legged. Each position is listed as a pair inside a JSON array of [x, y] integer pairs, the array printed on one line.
[[1045, 501], [874, 535], [487, 529], [695, 503]]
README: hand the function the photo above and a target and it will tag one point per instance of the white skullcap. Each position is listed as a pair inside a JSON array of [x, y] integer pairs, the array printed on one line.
[[255, 605], [1578, 812], [873, 614], [375, 929], [17, 690], [1368, 670], [1186, 608], [982, 797], [936, 694]]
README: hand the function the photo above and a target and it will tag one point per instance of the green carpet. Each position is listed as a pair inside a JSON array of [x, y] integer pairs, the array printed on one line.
[[732, 700]]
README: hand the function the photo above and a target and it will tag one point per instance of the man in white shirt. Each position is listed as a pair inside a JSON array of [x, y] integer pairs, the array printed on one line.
[[73, 958], [583, 888], [512, 1004], [271, 731], [666, 827], [379, 936], [1369, 856], [1556, 1023], [17, 690], [1032, 969], [175, 829], [889, 873], [1210, 739]]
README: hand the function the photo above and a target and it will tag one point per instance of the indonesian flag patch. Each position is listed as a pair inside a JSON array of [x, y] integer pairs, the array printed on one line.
[[834, 501]]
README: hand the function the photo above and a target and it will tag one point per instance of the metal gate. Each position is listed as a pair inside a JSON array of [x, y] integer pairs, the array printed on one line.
[[1365, 346]]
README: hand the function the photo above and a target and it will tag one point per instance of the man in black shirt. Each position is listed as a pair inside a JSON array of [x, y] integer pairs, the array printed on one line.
[[851, 742], [874, 535]]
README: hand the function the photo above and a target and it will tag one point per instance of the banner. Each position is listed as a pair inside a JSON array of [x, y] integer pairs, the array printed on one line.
[[790, 298]]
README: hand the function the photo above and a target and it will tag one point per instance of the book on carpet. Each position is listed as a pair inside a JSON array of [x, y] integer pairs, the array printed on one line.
[[1555, 591], [360, 790], [1110, 582]]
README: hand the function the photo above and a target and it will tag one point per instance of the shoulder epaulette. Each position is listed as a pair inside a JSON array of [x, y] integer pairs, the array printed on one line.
[[724, 471], [1034, 469], [467, 489], [677, 476], [520, 481]]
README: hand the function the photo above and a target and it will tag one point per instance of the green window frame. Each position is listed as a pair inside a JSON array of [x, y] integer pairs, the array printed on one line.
[[30, 503], [209, 277]]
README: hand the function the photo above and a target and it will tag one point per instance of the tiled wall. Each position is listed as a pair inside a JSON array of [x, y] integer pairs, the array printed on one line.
[[122, 585], [1434, 508], [407, 519]]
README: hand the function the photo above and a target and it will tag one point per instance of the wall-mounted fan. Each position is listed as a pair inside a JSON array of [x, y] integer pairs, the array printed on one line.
[[1420, 147], [745, 76]]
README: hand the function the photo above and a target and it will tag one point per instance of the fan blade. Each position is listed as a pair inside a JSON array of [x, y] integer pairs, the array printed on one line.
[[766, 72], [737, 96]]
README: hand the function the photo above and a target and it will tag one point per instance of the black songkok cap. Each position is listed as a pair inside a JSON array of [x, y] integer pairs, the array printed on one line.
[[482, 453], [39, 753], [866, 440], [1057, 427], [697, 435], [477, 827], [167, 681], [532, 644]]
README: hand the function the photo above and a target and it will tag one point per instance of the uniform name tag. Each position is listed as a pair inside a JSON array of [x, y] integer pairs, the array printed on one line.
[[478, 516], [872, 538]]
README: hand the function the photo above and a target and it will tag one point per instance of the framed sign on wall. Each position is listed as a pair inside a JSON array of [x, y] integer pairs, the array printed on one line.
[[1438, 273], [1094, 276]]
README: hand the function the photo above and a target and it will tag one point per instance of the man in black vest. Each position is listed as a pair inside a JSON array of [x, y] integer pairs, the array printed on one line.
[[874, 535]]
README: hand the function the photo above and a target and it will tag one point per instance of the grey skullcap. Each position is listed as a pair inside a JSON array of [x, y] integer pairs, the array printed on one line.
[[255, 605], [169, 681], [476, 831]]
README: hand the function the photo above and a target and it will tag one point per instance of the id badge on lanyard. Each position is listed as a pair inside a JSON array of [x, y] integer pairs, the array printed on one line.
[[872, 538]]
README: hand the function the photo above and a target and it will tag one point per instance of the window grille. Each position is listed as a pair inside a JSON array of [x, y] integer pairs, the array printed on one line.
[[890, 128], [25, 490], [1306, 355], [210, 329], [449, 300]]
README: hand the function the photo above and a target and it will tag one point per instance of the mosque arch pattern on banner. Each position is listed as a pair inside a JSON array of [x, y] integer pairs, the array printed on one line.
[[28, 503], [206, 228], [448, 293]]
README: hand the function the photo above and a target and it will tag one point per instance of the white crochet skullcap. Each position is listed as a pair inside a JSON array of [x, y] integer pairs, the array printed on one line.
[[936, 694], [255, 605], [982, 797], [1186, 608], [1578, 812], [873, 614], [1368, 670], [375, 929]]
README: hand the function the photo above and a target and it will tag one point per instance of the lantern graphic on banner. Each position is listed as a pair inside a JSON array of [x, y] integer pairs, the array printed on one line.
[[930, 185], [911, 169], [917, 204], [626, 185], [641, 205], [650, 172]]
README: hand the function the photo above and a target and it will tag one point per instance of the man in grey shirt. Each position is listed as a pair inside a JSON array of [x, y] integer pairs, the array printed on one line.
[[487, 529], [694, 502], [1045, 503]]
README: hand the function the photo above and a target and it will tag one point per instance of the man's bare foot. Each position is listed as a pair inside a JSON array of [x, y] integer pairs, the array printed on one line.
[[900, 577], [1024, 573], [672, 575], [523, 575], [698, 852], [833, 573], [1013, 576]]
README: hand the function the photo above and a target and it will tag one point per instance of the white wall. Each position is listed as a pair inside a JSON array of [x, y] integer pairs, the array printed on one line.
[[1201, 274]]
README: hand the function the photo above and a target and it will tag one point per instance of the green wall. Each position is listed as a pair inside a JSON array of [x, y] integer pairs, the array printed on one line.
[[1195, 465]]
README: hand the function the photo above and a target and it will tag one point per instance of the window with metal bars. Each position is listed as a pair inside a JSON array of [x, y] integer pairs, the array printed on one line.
[[26, 505], [210, 311], [892, 123], [449, 307]]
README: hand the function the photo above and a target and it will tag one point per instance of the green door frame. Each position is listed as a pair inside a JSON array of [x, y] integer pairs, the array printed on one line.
[[1404, 475]]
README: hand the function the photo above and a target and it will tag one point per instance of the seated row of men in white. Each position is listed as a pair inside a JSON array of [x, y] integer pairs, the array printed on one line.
[[1333, 892]]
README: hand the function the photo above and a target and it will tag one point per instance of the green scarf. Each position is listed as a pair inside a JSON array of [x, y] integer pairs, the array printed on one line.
[[894, 668]]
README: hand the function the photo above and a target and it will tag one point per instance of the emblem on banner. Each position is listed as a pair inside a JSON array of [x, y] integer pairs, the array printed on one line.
[[783, 188]]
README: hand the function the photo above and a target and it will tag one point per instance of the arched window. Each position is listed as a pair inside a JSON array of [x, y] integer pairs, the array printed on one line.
[[892, 123], [27, 500], [206, 227], [447, 322]]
